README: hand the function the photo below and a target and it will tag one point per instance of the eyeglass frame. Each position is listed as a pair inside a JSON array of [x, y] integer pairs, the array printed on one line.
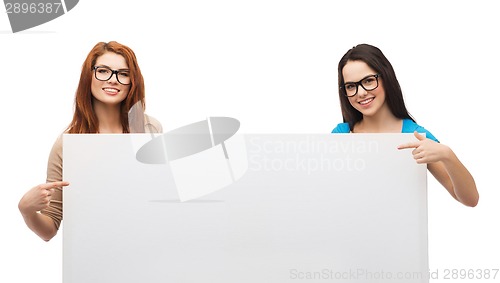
[[113, 72], [357, 84]]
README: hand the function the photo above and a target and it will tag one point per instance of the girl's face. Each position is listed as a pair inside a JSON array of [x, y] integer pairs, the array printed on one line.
[[112, 91], [368, 102]]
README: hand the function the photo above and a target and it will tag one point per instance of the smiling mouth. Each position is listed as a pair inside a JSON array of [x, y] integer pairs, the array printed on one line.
[[366, 101], [111, 90]]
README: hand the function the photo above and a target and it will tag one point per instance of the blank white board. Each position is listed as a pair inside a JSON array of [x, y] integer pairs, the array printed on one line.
[[256, 208]]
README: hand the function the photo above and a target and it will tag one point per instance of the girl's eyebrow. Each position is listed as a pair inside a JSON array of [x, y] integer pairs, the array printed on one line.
[[349, 82], [103, 65]]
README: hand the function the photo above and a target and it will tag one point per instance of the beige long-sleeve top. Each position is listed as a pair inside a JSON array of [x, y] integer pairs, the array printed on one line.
[[55, 167]]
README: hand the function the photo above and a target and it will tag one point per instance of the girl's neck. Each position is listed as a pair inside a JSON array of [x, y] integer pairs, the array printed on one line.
[[382, 122], [109, 118]]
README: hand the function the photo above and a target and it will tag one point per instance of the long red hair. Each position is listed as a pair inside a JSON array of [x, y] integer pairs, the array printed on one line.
[[84, 118]]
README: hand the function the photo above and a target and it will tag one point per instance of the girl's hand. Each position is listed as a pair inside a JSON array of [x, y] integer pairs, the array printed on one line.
[[426, 150], [39, 197]]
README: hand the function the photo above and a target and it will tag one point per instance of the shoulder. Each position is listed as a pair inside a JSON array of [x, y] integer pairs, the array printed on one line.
[[58, 145], [152, 125], [54, 163], [341, 128], [409, 127]]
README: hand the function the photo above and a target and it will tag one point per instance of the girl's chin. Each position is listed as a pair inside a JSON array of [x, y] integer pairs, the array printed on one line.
[[367, 113]]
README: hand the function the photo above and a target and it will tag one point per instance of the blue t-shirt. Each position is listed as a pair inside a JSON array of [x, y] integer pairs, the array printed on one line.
[[408, 127]]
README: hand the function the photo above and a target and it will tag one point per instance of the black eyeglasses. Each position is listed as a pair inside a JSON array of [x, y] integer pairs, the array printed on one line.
[[367, 83], [104, 73]]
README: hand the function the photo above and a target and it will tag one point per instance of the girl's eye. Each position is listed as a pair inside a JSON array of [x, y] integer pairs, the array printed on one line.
[[369, 80], [103, 71], [350, 86]]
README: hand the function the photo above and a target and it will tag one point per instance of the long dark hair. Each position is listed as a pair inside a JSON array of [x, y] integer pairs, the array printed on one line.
[[84, 117], [374, 58]]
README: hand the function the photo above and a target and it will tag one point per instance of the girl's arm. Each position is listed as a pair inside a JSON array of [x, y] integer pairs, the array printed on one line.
[[446, 168], [35, 200]]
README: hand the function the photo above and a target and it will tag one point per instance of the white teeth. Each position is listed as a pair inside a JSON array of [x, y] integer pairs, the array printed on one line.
[[366, 101], [110, 90]]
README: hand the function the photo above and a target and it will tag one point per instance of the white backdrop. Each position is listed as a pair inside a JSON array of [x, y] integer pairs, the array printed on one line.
[[271, 64]]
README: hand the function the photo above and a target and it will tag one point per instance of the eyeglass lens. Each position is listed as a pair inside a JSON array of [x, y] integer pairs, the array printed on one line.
[[368, 83], [105, 73]]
